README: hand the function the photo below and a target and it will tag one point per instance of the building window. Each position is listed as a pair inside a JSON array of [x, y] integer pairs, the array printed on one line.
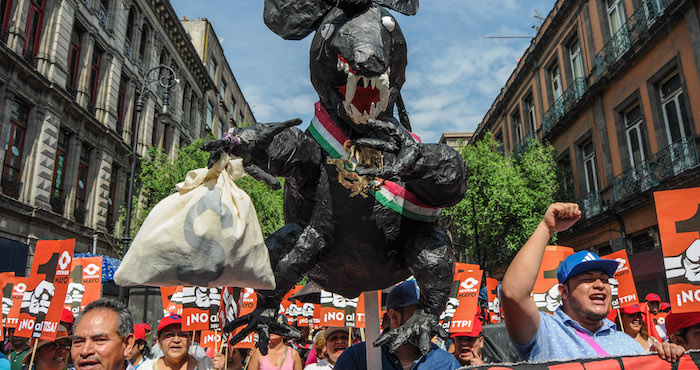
[[517, 127], [616, 15], [224, 86], [112, 198], [154, 133], [499, 141], [74, 59], [57, 184], [532, 118], [565, 177], [94, 75], [5, 7], [130, 26], [135, 116], [35, 17], [13, 149], [588, 152], [555, 78], [145, 35], [81, 188], [210, 116], [673, 104], [183, 103], [103, 12], [220, 133], [576, 59], [120, 104], [633, 132], [165, 138], [212, 68]]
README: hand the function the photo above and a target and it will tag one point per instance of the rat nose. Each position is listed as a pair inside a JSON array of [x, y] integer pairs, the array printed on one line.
[[368, 62]]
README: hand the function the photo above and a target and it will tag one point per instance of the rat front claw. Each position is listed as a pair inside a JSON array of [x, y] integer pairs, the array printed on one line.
[[417, 330]]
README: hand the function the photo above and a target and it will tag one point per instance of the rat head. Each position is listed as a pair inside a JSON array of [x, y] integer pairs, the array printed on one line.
[[358, 55]]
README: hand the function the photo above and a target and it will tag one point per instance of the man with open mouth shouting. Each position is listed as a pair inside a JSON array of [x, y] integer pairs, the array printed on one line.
[[578, 328]]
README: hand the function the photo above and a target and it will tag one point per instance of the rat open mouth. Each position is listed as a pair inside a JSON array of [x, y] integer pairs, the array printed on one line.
[[365, 97]]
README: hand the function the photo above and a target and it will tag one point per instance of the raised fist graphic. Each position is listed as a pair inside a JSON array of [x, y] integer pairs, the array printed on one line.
[[685, 266], [39, 300], [75, 293]]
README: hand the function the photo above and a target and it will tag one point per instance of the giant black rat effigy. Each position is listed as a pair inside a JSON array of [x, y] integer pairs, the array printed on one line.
[[362, 194]]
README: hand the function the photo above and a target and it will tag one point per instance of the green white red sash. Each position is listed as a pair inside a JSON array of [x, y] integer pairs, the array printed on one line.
[[390, 194]]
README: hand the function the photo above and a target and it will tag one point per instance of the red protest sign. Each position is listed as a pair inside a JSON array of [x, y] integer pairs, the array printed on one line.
[[678, 214], [546, 290], [462, 305], [200, 308], [247, 304], [18, 287], [85, 284], [211, 339], [6, 283], [43, 300], [172, 300], [624, 291], [288, 302], [494, 304]]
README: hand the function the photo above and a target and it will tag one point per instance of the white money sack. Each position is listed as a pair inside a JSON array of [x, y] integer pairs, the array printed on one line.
[[206, 234]]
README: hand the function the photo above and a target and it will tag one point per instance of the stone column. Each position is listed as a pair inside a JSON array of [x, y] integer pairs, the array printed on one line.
[[75, 146]]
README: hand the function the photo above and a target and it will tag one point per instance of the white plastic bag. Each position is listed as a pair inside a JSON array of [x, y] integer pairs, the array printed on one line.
[[207, 234]]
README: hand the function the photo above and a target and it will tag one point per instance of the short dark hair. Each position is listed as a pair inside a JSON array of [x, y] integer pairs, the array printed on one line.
[[125, 325]]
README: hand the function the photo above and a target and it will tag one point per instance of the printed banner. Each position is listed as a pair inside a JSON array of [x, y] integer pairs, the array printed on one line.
[[85, 284], [463, 304], [18, 286], [303, 312], [6, 283], [211, 339], [678, 213], [172, 300], [287, 301], [200, 308], [494, 304], [546, 290], [624, 291], [338, 311], [43, 300], [247, 304], [688, 361]]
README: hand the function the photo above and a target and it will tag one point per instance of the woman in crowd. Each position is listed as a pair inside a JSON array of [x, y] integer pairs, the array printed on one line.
[[318, 349], [236, 358], [175, 344], [279, 355], [51, 355], [633, 325], [138, 353]]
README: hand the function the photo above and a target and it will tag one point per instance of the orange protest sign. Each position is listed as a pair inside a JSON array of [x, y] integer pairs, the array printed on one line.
[[18, 287], [624, 291], [494, 304], [546, 290], [247, 304], [287, 302], [211, 339], [172, 300], [6, 283], [678, 214], [85, 283], [43, 300], [462, 305], [338, 311], [200, 308]]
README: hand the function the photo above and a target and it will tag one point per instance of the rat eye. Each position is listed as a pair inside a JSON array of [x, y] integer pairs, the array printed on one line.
[[389, 23], [327, 30]]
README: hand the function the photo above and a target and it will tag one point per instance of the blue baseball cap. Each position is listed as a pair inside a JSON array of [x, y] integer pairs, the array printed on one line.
[[404, 294], [584, 261]]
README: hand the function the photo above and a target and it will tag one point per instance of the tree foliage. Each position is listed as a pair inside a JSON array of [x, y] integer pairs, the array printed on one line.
[[158, 176], [505, 201]]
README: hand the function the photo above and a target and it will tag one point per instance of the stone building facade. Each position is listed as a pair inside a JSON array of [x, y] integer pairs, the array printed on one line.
[[225, 106], [70, 72], [614, 86]]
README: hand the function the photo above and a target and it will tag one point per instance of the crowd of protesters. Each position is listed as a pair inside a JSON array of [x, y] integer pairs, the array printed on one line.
[[104, 336]]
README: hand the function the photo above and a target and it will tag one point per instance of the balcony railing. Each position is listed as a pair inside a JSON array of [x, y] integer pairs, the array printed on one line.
[[565, 102], [4, 35], [10, 186], [629, 33], [58, 204], [88, 3], [128, 50], [666, 163], [141, 64], [28, 55], [590, 204], [103, 16], [524, 144]]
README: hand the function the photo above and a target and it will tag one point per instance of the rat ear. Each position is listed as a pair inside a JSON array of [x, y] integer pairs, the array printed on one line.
[[405, 7], [294, 19]]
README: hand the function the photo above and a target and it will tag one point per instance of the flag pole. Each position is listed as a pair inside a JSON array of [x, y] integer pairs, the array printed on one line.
[[36, 344]]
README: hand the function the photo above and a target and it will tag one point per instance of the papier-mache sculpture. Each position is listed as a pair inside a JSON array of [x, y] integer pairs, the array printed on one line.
[[362, 194]]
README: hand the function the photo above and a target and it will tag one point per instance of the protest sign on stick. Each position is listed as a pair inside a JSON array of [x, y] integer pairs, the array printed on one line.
[[6, 283], [18, 287], [43, 299], [678, 214], [623, 289], [248, 301], [290, 307], [546, 290], [462, 306], [85, 284], [338, 311], [172, 300], [494, 303], [211, 339], [200, 308]]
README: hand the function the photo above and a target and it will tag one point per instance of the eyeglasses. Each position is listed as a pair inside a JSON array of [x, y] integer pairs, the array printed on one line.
[[59, 344], [170, 335]]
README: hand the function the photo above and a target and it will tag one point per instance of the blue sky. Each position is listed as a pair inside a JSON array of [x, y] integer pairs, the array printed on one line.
[[453, 73]]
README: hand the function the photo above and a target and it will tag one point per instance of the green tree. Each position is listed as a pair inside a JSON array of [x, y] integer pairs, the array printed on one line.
[[158, 176], [505, 201]]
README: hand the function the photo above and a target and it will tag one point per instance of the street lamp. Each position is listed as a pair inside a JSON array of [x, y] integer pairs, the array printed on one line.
[[165, 77]]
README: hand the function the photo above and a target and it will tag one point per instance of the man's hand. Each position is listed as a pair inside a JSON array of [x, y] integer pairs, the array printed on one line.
[[219, 361], [476, 358], [668, 351], [560, 216]]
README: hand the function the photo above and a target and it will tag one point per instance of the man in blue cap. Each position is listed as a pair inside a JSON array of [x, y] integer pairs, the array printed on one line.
[[400, 304], [578, 328]]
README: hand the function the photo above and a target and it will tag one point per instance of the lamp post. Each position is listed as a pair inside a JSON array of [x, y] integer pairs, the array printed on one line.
[[165, 77]]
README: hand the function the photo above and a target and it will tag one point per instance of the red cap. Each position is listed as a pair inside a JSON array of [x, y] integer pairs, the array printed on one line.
[[677, 321], [664, 306], [652, 297], [146, 326], [629, 310], [67, 316], [476, 330], [170, 320], [139, 332]]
